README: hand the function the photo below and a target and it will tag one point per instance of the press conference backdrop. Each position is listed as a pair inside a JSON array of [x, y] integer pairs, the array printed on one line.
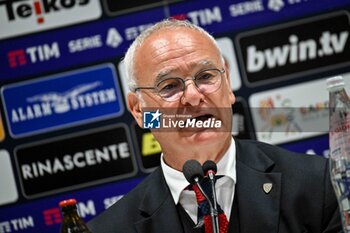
[[65, 130]]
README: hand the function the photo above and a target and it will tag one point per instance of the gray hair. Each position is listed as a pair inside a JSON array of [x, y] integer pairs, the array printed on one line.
[[129, 60]]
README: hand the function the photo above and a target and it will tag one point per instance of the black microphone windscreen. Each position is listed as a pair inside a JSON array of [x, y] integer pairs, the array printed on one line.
[[192, 169], [209, 165]]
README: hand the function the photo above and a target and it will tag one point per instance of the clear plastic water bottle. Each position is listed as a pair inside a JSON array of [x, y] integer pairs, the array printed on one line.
[[339, 143]]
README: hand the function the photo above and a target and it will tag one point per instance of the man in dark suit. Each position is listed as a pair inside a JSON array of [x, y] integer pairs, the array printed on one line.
[[176, 65]]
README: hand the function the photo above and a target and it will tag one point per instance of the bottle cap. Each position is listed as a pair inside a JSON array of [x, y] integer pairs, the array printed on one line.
[[69, 202], [335, 83]]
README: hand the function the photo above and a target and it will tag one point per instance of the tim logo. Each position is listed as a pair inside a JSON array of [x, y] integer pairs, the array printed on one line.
[[52, 216], [34, 54], [17, 58], [151, 120], [203, 17]]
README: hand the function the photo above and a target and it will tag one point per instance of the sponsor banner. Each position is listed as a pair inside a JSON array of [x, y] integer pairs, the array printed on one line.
[[318, 146], [8, 192], [297, 48], [44, 215], [227, 49], [228, 15], [2, 131], [148, 148], [64, 48], [75, 161], [26, 16], [62, 100], [123, 80], [79, 45], [241, 120], [207, 15], [292, 112], [114, 8]]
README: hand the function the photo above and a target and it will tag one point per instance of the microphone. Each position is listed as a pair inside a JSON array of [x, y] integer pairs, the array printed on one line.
[[210, 169], [193, 172]]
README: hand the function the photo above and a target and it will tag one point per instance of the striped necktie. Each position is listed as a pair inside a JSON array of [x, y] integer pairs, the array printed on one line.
[[204, 208]]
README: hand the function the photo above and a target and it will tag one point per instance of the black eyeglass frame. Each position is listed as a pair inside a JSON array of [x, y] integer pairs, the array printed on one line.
[[155, 87]]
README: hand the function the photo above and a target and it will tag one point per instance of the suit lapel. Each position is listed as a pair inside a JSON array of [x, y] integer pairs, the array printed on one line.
[[258, 211], [258, 208], [158, 210]]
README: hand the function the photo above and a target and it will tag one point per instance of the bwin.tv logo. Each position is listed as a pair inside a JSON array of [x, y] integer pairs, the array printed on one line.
[[151, 120]]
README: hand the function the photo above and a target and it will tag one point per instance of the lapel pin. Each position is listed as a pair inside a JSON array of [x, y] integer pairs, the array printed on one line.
[[267, 187]]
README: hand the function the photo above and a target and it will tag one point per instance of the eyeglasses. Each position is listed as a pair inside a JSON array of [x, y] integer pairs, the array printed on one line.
[[172, 89]]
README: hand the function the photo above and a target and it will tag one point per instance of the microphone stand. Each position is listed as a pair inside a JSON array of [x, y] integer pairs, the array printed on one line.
[[216, 218], [193, 172], [213, 211]]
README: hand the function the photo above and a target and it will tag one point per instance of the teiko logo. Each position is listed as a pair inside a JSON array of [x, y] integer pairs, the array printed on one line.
[[151, 120], [38, 7], [19, 17], [33, 54]]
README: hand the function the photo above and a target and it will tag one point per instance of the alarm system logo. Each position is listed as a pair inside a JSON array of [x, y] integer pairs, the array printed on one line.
[[62, 100], [27, 16]]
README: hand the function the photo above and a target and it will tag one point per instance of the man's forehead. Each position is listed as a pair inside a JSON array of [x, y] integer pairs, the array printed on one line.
[[161, 42], [195, 65], [191, 65], [182, 35]]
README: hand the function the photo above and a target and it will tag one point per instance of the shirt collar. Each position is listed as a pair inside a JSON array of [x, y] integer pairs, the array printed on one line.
[[177, 181]]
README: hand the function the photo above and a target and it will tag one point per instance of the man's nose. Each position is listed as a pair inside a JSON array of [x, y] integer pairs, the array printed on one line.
[[191, 96]]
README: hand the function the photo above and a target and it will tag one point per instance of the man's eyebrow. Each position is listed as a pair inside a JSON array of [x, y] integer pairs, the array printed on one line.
[[165, 73], [206, 62]]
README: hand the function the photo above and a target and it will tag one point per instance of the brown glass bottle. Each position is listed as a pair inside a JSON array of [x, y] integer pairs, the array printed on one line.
[[72, 222]]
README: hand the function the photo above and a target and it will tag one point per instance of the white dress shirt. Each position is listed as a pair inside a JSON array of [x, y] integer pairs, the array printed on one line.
[[225, 186]]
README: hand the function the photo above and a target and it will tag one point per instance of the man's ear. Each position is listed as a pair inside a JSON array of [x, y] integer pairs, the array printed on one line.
[[228, 81], [134, 105], [227, 73]]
